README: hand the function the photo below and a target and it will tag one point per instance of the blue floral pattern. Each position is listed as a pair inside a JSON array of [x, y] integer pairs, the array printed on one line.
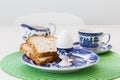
[[89, 40], [65, 52], [31, 31]]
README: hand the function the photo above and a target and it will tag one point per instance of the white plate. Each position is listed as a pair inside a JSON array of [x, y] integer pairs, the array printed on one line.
[[81, 59], [100, 50]]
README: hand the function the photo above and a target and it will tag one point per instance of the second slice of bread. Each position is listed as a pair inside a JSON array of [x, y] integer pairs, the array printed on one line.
[[45, 60]]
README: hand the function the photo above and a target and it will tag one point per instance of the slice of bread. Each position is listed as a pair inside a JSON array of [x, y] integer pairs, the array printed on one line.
[[43, 45], [26, 49], [45, 60]]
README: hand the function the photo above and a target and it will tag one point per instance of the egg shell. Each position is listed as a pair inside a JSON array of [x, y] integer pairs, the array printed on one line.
[[64, 40]]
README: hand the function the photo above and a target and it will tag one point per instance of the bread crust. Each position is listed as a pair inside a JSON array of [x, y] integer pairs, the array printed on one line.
[[49, 59]]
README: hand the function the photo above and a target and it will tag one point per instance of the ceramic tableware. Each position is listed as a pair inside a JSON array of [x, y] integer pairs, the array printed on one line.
[[100, 50], [64, 48], [92, 39], [33, 30], [79, 59], [103, 49]]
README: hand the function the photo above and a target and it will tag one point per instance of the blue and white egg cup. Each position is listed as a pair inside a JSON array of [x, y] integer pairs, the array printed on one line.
[[64, 54]]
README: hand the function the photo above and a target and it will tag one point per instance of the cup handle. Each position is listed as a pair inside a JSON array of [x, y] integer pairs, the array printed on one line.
[[54, 28], [107, 34]]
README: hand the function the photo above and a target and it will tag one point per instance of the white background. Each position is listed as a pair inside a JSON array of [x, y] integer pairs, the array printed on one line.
[[91, 11]]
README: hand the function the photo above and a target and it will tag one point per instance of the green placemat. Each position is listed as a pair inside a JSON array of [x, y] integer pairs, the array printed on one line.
[[107, 68]]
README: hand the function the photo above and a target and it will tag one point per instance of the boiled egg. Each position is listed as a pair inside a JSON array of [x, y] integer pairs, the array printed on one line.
[[64, 40]]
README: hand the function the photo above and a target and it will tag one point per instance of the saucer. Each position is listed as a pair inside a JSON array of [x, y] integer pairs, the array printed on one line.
[[80, 59], [99, 50]]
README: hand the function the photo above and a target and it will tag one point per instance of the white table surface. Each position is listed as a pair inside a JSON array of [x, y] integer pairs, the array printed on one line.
[[10, 40]]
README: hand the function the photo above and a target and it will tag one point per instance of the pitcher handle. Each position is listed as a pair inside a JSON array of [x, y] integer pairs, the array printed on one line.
[[54, 28]]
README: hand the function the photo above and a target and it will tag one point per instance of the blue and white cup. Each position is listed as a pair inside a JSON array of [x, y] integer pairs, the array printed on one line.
[[93, 39], [33, 30]]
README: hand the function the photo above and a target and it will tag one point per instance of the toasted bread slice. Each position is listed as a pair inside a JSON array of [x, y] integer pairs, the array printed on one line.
[[26, 49], [43, 45], [45, 60]]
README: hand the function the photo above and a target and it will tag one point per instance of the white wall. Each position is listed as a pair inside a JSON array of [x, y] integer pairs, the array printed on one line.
[[91, 11]]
